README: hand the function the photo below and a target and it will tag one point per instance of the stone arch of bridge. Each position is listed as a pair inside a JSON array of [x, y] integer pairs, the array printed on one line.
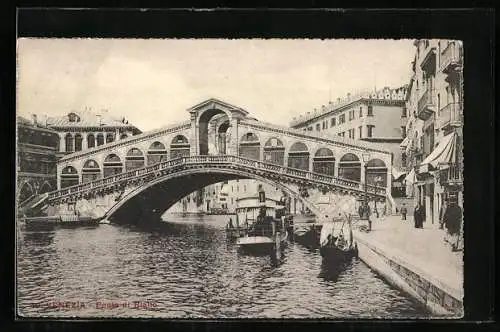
[[202, 122], [156, 197]]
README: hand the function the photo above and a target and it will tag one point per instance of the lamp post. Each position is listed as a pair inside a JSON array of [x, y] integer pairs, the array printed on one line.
[[378, 180], [366, 158]]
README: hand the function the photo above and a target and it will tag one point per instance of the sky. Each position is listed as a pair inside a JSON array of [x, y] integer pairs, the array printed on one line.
[[152, 82]]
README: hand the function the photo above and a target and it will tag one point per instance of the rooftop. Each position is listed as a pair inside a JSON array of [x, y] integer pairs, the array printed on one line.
[[87, 118], [33, 123], [398, 94]]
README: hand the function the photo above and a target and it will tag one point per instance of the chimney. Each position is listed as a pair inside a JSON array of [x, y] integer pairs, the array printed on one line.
[[323, 108], [338, 100], [33, 117], [98, 119], [348, 97]]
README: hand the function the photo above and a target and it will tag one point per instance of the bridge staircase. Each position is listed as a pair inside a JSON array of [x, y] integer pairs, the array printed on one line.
[[32, 205]]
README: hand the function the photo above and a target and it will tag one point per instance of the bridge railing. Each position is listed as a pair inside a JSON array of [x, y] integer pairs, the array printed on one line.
[[217, 159]]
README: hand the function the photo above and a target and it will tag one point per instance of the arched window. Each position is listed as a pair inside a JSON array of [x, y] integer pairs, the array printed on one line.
[[112, 165], [25, 192], [350, 167], [90, 171], [110, 137], [376, 173], [78, 142], [179, 147], [156, 153], [274, 151], [68, 139], [324, 162], [90, 140], [123, 136], [250, 146], [69, 177], [298, 156], [134, 159], [100, 139]]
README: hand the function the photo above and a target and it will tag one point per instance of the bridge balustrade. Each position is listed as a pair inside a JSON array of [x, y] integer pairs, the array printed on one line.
[[248, 163]]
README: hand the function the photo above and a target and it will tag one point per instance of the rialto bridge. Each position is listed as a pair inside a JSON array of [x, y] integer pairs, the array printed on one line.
[[143, 175]]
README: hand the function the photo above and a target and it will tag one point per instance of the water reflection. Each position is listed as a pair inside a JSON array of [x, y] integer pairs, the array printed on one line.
[[331, 272], [188, 268]]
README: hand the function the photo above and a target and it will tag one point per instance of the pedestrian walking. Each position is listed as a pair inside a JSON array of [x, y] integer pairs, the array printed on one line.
[[452, 220], [441, 214], [419, 216], [364, 214], [404, 211]]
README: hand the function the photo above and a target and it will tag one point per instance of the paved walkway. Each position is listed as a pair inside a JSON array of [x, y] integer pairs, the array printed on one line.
[[423, 249]]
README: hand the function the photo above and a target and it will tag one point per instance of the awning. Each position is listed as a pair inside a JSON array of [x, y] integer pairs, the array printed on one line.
[[404, 143], [410, 178], [444, 153], [396, 175]]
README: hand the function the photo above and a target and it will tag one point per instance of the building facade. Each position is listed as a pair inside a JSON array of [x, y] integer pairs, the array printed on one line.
[[35, 159], [81, 130], [379, 117], [433, 147]]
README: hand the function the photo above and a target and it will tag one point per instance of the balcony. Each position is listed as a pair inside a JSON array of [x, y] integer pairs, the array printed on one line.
[[426, 105], [428, 63], [451, 58], [451, 116], [451, 175]]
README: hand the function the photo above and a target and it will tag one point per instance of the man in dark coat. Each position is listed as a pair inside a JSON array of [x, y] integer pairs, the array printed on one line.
[[419, 215], [364, 214], [441, 214], [452, 220]]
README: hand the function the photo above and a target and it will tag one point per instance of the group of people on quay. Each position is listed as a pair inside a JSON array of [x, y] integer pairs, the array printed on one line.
[[450, 219]]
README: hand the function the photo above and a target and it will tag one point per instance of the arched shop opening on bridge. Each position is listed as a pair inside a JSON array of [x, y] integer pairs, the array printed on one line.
[[156, 153], [350, 167], [112, 165], [250, 146], [376, 173], [298, 157], [179, 147], [134, 159], [69, 177], [274, 151], [90, 171], [324, 162]]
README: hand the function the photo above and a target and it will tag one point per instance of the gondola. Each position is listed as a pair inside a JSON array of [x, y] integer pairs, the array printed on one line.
[[337, 244]]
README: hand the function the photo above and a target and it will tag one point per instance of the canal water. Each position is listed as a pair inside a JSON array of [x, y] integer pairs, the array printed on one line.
[[186, 268]]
